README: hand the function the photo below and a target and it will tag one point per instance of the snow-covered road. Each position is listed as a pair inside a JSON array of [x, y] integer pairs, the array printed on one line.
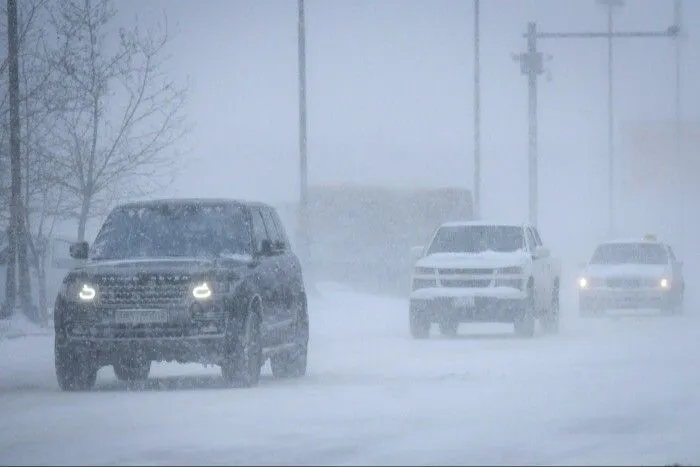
[[614, 392]]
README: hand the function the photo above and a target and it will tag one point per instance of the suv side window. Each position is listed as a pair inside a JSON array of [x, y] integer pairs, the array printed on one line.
[[280, 227], [259, 232], [270, 226]]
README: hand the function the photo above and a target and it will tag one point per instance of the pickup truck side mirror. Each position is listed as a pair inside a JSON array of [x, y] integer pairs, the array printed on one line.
[[417, 252], [79, 250], [541, 252]]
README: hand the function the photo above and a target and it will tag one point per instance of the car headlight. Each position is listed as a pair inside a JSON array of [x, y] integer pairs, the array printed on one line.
[[80, 291], [664, 283], [583, 282], [202, 291]]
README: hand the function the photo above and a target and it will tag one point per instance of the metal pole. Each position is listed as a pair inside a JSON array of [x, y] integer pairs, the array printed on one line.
[[303, 216], [477, 115], [611, 128], [677, 13], [532, 72]]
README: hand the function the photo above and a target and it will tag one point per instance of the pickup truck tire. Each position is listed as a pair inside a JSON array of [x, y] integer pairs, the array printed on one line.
[[524, 322], [419, 323], [448, 327], [76, 369], [550, 318], [243, 354], [135, 369]]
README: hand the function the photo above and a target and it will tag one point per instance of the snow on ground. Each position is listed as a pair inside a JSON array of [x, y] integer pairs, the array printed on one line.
[[19, 326], [610, 391]]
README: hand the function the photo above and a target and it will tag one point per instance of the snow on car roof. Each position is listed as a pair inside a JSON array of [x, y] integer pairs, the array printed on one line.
[[481, 223], [630, 240]]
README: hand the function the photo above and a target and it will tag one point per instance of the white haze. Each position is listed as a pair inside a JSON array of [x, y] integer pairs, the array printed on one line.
[[390, 102], [390, 93]]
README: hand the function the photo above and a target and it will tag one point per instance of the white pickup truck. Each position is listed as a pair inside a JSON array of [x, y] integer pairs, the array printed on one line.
[[484, 272]]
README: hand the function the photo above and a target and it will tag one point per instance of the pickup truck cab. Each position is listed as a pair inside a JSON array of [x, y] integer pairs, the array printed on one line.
[[484, 272]]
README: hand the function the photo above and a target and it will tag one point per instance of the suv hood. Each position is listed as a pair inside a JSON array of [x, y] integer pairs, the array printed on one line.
[[485, 259], [626, 270], [149, 265]]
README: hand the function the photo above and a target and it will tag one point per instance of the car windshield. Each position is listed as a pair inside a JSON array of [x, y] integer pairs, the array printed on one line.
[[630, 253], [173, 230], [476, 239]]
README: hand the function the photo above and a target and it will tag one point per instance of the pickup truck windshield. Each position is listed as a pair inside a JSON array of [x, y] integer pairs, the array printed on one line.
[[172, 230], [477, 238], [630, 253]]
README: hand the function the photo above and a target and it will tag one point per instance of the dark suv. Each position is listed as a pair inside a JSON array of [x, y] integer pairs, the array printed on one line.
[[204, 281]]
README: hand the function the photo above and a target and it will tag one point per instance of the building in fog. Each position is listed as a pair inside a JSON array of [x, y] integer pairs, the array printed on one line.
[[362, 235]]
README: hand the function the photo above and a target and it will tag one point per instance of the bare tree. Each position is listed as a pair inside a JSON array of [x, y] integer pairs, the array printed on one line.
[[117, 138], [43, 203]]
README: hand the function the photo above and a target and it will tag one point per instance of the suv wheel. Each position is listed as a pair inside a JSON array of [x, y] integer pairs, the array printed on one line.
[[132, 369], [292, 363], [76, 369], [525, 320], [243, 354]]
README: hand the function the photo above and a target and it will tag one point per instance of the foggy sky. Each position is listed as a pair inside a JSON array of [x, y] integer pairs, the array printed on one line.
[[390, 95]]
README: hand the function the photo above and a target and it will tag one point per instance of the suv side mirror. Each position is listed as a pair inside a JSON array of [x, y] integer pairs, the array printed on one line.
[[266, 247], [79, 250]]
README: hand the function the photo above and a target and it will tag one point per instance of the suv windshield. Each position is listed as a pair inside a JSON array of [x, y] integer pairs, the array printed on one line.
[[173, 230], [630, 253], [477, 238]]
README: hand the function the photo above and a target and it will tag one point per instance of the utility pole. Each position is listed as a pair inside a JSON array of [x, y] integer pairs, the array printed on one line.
[[477, 114], [531, 64], [303, 214], [610, 5]]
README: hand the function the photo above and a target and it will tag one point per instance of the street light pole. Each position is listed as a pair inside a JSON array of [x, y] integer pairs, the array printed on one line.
[[477, 114], [303, 214], [531, 64], [610, 5]]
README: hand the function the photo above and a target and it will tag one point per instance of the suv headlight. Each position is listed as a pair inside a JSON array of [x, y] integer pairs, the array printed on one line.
[[79, 291]]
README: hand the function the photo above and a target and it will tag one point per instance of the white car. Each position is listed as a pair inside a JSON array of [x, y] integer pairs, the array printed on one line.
[[484, 272], [631, 274]]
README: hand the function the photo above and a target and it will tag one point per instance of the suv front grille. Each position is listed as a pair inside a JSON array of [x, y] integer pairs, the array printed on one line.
[[143, 291]]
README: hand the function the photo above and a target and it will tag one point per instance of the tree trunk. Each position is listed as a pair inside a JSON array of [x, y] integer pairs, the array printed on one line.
[[7, 308], [82, 220], [43, 299]]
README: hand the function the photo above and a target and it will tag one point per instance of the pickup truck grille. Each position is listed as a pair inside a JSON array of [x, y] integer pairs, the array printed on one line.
[[472, 283]]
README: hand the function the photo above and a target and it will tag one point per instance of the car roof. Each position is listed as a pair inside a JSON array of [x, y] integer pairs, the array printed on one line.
[[481, 223], [635, 240], [193, 201]]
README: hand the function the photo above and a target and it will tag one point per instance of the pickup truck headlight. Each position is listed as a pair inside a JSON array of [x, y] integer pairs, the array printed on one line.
[[424, 271], [510, 271]]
